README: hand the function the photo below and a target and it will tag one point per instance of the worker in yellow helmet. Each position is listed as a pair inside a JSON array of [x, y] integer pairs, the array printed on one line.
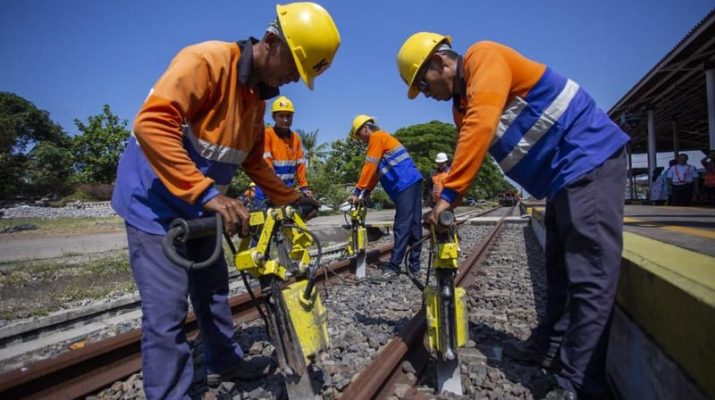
[[548, 135], [202, 121], [283, 150], [387, 160]]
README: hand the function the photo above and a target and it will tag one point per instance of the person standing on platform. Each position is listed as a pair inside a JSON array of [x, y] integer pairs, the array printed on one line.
[[681, 180], [283, 150], [203, 120], [437, 178], [709, 176], [388, 161], [548, 135]]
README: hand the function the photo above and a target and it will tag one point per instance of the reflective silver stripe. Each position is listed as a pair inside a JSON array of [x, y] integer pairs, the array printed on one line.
[[222, 188], [284, 163], [393, 151], [511, 112], [213, 151], [398, 159], [392, 163], [372, 160], [547, 119], [285, 177], [300, 161], [267, 154]]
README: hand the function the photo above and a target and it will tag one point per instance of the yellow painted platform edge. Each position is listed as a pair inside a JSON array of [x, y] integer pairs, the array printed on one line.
[[691, 271], [671, 303]]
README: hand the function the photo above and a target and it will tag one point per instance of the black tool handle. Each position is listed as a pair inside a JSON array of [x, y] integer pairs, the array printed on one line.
[[446, 218], [182, 230]]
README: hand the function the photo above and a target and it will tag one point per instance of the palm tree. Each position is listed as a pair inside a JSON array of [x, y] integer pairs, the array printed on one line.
[[313, 151]]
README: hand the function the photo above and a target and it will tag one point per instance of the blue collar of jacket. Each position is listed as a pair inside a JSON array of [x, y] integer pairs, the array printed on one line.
[[460, 87], [245, 61]]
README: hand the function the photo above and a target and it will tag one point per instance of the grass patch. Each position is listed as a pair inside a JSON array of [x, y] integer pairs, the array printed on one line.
[[29, 289], [66, 225]]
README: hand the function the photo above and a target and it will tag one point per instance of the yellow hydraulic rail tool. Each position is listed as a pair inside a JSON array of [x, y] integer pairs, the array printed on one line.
[[357, 243], [296, 319], [446, 307]]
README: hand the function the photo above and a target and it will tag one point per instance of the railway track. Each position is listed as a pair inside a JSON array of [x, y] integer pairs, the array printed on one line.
[[381, 377], [81, 372]]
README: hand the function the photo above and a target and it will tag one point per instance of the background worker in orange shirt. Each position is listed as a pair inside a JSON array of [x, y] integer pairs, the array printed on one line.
[[388, 161], [283, 150], [202, 120], [548, 135], [437, 178]]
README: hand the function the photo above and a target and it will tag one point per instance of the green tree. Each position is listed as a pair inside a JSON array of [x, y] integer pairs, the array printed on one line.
[[48, 169], [98, 148], [22, 127], [313, 151], [424, 141]]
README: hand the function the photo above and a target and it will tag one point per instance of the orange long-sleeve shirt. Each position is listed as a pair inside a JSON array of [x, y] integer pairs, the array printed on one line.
[[493, 75], [387, 161], [286, 157], [223, 122]]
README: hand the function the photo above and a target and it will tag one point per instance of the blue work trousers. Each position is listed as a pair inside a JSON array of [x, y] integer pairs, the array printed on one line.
[[164, 287], [407, 227], [584, 239]]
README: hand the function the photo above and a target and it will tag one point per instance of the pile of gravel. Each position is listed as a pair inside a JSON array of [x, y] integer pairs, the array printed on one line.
[[72, 210]]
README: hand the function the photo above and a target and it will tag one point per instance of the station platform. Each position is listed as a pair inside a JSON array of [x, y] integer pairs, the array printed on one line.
[[691, 228], [663, 333]]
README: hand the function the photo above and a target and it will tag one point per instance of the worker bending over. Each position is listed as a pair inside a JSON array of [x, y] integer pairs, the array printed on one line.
[[548, 135], [388, 161], [202, 120]]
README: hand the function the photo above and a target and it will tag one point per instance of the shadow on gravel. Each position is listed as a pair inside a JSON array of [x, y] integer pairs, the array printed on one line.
[[534, 379], [536, 261], [395, 324]]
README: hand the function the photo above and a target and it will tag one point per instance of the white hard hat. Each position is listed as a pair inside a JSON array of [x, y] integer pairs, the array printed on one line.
[[441, 157]]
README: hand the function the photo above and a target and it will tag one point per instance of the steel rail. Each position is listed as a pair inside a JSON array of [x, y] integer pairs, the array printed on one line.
[[84, 371], [379, 378]]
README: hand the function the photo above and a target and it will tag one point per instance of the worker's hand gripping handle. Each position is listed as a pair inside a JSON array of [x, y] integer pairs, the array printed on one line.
[[446, 218], [182, 230]]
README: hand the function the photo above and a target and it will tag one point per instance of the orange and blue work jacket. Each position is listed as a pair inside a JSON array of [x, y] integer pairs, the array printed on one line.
[[544, 130], [200, 123], [285, 155], [388, 161]]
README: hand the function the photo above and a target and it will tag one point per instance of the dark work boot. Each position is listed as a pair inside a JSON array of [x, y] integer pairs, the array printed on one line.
[[561, 394], [244, 369], [528, 351]]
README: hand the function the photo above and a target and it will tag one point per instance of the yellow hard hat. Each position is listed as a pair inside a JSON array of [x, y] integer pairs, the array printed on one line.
[[358, 122], [282, 103], [252, 184], [413, 53], [311, 35]]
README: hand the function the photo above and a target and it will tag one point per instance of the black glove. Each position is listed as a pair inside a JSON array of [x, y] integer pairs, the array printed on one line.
[[307, 207]]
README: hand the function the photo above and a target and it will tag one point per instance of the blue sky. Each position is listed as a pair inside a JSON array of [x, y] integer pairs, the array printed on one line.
[[70, 57]]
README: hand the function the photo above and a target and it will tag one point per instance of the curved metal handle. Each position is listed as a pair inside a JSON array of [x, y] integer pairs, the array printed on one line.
[[182, 230]]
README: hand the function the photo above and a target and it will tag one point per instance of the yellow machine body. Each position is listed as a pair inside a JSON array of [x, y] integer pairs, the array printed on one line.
[[434, 325], [447, 255], [309, 318], [358, 236], [253, 259]]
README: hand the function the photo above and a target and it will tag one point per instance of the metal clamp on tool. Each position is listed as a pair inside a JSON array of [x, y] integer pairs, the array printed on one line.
[[357, 243], [445, 306], [294, 313], [278, 247]]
